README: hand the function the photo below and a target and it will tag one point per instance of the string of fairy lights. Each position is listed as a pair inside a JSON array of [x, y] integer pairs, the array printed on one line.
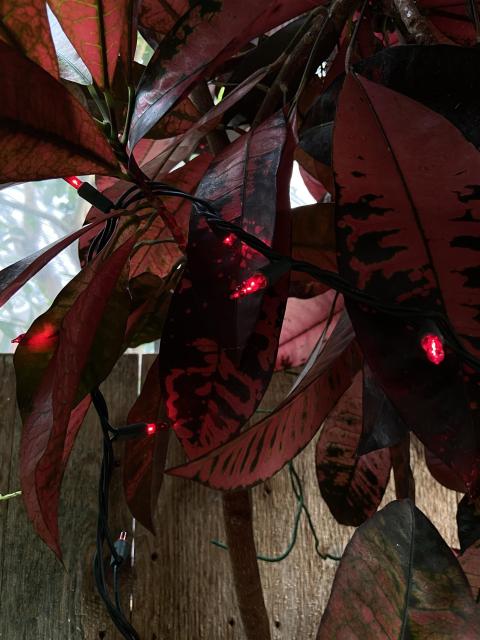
[[433, 343]]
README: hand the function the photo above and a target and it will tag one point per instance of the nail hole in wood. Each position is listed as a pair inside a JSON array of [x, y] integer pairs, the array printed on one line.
[[231, 622], [154, 556]]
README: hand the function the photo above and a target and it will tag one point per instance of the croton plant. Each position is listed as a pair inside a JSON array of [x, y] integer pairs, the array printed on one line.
[[379, 103]]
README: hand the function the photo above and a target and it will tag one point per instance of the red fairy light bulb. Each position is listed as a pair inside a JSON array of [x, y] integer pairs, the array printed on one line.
[[18, 339], [433, 347], [229, 240], [151, 428], [74, 182], [254, 283]]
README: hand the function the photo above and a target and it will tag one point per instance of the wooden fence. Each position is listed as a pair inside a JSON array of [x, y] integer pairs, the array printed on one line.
[[180, 585]]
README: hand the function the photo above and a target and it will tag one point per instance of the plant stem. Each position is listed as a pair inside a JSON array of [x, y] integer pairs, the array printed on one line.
[[402, 473], [418, 28], [237, 511]]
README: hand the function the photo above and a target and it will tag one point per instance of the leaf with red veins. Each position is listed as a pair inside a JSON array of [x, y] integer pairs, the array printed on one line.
[[144, 458], [212, 32], [399, 579], [96, 29], [45, 133], [44, 445], [303, 324], [263, 449], [24, 25]]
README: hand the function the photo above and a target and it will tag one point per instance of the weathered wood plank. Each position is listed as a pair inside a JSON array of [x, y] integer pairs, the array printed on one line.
[[40, 599], [181, 584]]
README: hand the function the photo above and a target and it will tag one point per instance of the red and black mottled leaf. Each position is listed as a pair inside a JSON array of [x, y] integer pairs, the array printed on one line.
[[303, 324], [442, 473], [407, 233], [156, 18], [44, 435], [263, 449], [351, 485], [217, 354], [45, 133], [95, 28], [24, 25], [399, 579], [211, 33], [382, 426], [13, 277], [144, 458]]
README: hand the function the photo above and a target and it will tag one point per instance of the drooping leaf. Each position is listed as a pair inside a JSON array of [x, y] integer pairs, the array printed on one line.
[[144, 458], [217, 354], [407, 234], [468, 522], [351, 485], [42, 461], [211, 33], [304, 323], [45, 133], [399, 579], [443, 474], [470, 562], [263, 449], [24, 25], [13, 277], [95, 28], [382, 426]]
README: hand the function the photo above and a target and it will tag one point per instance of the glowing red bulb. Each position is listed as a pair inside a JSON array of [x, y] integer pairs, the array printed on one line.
[[18, 339], [252, 284], [73, 181], [151, 428], [229, 240], [433, 347]]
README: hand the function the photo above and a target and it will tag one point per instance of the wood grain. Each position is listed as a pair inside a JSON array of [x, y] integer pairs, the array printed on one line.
[[181, 584]]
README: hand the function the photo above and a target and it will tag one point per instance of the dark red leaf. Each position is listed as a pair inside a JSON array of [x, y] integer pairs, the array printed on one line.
[[313, 240], [468, 522], [212, 32], [382, 426], [95, 28], [263, 449], [304, 323], [399, 579], [144, 458], [13, 277], [42, 460], [470, 562], [351, 485], [158, 18], [407, 235], [453, 18], [45, 133], [443, 474], [217, 354], [160, 258], [24, 25], [168, 152]]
